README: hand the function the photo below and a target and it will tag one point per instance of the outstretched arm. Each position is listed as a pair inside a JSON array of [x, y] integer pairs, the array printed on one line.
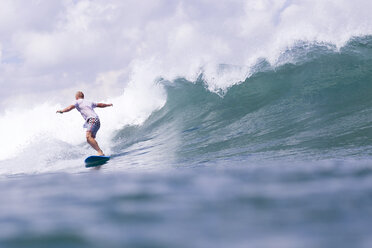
[[69, 108], [104, 105]]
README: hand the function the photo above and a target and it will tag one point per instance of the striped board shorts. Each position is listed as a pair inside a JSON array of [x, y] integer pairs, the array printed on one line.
[[92, 125]]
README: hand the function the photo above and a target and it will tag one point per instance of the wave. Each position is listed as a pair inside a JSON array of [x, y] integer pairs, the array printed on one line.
[[314, 103], [317, 107]]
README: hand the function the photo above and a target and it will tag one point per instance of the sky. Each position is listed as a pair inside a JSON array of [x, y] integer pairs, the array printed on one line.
[[51, 48]]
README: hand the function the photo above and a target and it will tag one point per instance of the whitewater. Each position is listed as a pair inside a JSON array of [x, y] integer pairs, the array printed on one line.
[[235, 123]]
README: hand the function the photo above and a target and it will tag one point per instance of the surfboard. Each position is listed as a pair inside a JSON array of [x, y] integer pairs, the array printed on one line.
[[93, 161]]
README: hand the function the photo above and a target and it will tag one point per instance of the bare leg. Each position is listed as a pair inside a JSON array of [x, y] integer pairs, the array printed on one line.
[[92, 141]]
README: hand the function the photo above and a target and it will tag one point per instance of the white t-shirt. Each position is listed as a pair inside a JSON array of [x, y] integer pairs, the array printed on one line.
[[86, 108]]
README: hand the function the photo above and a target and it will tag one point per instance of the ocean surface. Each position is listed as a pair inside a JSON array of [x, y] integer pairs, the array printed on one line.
[[281, 159]]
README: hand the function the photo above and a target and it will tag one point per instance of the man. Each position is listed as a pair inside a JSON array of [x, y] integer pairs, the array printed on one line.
[[92, 123]]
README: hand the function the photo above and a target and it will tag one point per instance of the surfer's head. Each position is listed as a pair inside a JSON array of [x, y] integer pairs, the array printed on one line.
[[79, 95]]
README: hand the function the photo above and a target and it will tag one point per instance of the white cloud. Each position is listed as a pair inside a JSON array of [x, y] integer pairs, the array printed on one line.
[[51, 45]]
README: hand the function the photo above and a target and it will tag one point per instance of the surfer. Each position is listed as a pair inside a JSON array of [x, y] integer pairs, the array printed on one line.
[[92, 123]]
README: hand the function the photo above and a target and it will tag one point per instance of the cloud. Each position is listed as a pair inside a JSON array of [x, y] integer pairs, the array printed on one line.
[[57, 45]]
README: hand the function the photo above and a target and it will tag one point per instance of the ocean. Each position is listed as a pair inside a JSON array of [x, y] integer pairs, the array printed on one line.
[[274, 153], [281, 159]]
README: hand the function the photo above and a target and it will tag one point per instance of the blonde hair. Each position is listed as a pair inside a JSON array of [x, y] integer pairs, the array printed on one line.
[[80, 94]]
